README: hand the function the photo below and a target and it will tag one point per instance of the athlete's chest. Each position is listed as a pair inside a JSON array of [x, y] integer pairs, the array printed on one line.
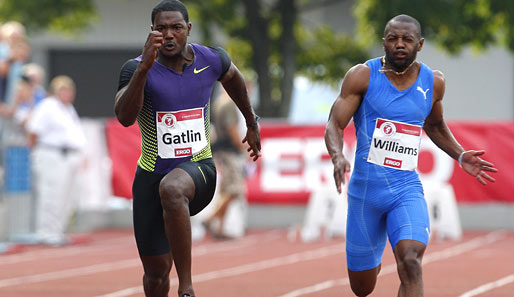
[[170, 91], [411, 105]]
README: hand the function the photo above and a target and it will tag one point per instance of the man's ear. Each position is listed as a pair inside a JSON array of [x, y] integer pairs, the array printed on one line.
[[421, 41]]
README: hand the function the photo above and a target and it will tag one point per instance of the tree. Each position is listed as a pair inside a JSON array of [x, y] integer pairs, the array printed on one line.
[[66, 16], [450, 24], [267, 37]]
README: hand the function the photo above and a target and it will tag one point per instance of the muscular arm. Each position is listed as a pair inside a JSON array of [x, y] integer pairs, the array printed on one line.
[[353, 89], [233, 82], [440, 134], [129, 99], [435, 126]]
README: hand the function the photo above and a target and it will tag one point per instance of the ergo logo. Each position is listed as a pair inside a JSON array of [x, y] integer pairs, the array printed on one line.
[[183, 152], [393, 163]]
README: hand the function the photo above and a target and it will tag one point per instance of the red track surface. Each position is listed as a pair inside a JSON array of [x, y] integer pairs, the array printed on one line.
[[263, 263]]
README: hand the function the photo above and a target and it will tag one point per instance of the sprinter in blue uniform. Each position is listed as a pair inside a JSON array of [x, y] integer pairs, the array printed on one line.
[[167, 90], [391, 99]]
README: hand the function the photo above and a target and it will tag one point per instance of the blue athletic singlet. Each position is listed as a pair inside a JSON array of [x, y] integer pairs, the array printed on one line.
[[384, 200]]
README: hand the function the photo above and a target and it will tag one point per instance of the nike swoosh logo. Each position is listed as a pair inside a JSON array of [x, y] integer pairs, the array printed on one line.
[[196, 71]]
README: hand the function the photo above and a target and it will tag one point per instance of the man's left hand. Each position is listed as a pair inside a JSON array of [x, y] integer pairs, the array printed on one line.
[[475, 166], [253, 138]]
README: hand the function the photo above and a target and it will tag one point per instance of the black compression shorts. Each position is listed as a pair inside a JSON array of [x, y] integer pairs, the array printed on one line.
[[147, 209]]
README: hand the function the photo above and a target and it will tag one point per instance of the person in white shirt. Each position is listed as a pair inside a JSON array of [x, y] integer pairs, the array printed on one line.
[[57, 139]]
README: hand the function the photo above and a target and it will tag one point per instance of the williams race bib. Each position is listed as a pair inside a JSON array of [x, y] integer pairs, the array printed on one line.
[[395, 145], [180, 133]]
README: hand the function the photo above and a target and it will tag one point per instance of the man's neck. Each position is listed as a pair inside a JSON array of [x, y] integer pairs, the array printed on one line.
[[405, 81], [178, 61]]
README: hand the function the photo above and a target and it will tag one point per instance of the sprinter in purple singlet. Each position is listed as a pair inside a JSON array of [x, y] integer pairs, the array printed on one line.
[[167, 91]]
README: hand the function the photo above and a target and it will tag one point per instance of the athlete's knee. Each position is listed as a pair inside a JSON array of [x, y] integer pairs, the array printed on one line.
[[172, 195], [156, 278], [157, 282], [361, 291], [363, 283], [409, 265]]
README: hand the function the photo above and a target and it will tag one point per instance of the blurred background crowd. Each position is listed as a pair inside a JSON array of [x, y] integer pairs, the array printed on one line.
[[42, 144]]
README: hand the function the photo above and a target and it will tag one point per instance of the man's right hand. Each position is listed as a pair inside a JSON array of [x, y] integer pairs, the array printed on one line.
[[153, 44], [341, 166]]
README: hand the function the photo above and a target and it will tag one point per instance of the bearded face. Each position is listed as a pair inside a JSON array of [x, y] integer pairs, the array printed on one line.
[[401, 44]]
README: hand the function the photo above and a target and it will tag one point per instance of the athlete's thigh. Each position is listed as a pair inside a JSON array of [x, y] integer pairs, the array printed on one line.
[[203, 174], [365, 234], [409, 219], [147, 214], [177, 183]]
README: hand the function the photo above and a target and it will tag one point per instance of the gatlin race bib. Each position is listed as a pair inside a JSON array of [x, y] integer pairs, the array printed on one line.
[[395, 145], [180, 133]]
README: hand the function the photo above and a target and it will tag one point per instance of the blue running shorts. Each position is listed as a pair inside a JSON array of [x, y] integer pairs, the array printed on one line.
[[378, 212]]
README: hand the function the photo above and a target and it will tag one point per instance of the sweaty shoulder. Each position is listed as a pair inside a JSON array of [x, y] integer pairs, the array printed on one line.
[[439, 85], [438, 75], [356, 79]]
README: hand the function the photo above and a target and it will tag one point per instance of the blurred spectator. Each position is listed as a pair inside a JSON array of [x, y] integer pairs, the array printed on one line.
[[23, 97], [29, 93], [229, 158], [14, 51], [36, 77], [58, 140], [23, 102]]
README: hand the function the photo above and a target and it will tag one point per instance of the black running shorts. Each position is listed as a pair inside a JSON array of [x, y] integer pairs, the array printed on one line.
[[147, 209]]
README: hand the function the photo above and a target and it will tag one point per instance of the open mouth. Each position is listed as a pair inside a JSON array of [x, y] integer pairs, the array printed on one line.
[[169, 46]]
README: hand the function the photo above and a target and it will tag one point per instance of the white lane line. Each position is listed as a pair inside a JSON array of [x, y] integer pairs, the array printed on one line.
[[112, 244], [60, 252], [489, 286], [24, 280], [333, 283], [432, 257], [271, 263], [129, 263], [234, 245], [247, 268]]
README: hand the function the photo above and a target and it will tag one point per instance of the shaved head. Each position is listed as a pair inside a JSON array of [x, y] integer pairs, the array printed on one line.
[[403, 18]]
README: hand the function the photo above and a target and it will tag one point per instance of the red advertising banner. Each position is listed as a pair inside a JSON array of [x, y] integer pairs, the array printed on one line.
[[124, 145], [295, 161]]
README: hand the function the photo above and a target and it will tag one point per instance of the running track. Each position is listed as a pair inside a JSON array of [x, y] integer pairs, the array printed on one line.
[[263, 263]]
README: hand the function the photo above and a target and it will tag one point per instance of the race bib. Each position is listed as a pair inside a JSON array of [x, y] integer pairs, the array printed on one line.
[[395, 145], [180, 133]]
